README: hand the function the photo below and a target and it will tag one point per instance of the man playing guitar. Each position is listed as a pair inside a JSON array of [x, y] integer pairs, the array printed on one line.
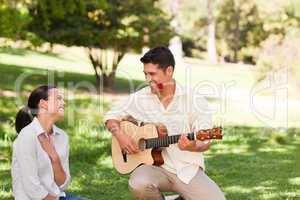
[[180, 110]]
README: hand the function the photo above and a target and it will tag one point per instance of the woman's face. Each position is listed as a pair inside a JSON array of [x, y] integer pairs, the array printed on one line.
[[55, 103]]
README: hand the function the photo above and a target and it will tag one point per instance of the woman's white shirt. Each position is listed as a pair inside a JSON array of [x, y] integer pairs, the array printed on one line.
[[32, 172]]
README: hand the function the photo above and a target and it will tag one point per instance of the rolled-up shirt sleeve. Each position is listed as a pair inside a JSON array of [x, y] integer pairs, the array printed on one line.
[[27, 158], [119, 110]]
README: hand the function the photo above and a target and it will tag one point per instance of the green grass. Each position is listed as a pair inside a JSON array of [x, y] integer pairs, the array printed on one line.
[[250, 163], [76, 60], [27, 78], [73, 71]]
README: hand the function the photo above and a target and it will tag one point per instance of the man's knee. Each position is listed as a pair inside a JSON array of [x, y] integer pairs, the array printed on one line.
[[140, 184], [143, 184], [140, 179]]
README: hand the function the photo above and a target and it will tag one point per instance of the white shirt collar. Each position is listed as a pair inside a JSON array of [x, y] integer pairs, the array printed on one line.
[[39, 129]]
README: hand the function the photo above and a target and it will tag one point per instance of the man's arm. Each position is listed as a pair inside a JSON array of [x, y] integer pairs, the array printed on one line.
[[196, 146], [201, 118], [124, 140]]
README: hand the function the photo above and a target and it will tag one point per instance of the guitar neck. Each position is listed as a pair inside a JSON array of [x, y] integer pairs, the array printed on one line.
[[165, 141]]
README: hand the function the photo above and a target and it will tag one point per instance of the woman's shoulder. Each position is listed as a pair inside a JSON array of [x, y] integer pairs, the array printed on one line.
[[27, 131], [26, 135]]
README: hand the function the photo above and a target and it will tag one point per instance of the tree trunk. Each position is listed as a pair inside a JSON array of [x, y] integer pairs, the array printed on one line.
[[105, 76], [109, 80], [211, 41], [95, 65]]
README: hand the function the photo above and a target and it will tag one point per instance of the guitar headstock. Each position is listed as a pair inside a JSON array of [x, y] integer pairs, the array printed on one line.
[[208, 134]]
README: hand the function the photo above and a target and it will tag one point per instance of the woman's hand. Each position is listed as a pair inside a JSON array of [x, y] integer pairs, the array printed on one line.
[[48, 146]]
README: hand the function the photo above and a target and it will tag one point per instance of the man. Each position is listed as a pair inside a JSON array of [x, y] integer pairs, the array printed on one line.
[[164, 101]]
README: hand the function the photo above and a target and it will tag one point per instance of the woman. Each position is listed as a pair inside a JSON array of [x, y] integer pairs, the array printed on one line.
[[40, 165]]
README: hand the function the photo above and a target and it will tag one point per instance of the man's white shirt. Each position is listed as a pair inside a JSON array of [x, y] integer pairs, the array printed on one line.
[[187, 111]]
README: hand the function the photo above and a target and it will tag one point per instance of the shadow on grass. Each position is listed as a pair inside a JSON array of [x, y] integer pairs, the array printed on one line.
[[24, 51], [93, 175], [28, 78], [242, 176], [262, 172], [245, 165]]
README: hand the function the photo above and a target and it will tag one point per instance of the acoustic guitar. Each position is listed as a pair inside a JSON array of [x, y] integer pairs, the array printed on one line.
[[149, 143]]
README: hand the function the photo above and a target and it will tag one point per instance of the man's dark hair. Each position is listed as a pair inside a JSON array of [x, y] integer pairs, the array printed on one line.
[[160, 55]]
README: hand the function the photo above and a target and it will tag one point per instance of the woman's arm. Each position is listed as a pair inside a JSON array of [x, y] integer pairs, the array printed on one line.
[[49, 197], [48, 145]]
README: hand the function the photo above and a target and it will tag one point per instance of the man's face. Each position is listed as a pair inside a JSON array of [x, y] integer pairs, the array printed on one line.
[[157, 77]]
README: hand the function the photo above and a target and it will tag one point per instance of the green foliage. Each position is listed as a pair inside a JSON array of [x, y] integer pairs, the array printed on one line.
[[12, 21], [279, 53], [239, 26], [191, 17], [115, 25], [119, 25]]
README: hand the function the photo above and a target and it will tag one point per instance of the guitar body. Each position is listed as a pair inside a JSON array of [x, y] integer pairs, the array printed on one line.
[[128, 162], [150, 140]]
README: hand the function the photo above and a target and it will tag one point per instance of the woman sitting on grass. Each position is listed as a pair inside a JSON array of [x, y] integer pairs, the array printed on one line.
[[40, 164]]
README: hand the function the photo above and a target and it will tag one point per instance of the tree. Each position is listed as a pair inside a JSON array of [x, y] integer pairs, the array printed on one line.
[[280, 51], [101, 27], [12, 21], [211, 37], [186, 15], [239, 26]]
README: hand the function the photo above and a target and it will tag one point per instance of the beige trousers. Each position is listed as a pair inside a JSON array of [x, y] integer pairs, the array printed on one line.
[[147, 182]]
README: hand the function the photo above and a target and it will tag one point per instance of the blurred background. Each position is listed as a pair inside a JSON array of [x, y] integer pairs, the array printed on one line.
[[244, 56]]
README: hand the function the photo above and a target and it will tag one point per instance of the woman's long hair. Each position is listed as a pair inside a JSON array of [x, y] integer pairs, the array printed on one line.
[[28, 112]]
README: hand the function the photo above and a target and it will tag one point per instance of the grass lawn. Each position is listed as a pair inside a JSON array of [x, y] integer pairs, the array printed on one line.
[[75, 60], [251, 163], [233, 84]]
